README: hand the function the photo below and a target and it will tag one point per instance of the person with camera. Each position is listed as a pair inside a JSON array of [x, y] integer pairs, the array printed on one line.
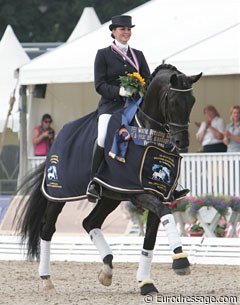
[[43, 136]]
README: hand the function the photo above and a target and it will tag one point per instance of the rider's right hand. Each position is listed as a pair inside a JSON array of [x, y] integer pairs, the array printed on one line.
[[124, 92]]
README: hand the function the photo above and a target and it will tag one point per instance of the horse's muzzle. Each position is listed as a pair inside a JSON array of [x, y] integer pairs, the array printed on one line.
[[181, 140]]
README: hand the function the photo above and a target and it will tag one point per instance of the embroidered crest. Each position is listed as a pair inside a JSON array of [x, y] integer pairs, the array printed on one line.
[[160, 170], [52, 173], [161, 173]]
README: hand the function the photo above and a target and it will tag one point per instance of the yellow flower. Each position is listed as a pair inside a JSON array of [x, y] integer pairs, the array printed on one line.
[[139, 77]]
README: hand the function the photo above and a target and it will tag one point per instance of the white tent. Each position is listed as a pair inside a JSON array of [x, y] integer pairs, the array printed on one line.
[[12, 57], [217, 55], [163, 28], [88, 22]]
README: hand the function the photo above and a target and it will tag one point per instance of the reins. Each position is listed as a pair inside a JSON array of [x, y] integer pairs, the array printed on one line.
[[167, 125]]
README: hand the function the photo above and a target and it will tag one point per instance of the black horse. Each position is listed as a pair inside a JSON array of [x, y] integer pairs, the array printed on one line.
[[165, 110]]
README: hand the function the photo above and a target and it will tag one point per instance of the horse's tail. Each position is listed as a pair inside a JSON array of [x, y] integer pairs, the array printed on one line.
[[30, 212]]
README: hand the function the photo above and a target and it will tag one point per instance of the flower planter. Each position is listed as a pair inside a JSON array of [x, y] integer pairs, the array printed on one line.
[[196, 234]]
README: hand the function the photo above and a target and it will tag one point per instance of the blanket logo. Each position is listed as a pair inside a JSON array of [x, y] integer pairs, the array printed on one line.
[[52, 179], [161, 173], [52, 173], [52, 169], [160, 170]]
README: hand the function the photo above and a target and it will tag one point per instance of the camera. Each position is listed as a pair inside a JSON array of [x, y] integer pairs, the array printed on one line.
[[51, 133]]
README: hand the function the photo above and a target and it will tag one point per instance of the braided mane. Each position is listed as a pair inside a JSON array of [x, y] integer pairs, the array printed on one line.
[[162, 67]]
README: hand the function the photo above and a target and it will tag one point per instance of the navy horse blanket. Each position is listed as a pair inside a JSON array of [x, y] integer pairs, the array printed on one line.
[[149, 165], [68, 162]]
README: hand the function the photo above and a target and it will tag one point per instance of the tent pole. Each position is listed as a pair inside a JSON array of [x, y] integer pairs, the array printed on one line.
[[23, 166], [11, 103]]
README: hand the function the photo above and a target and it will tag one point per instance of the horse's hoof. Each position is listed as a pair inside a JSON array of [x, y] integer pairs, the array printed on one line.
[[181, 264], [105, 275], [147, 287], [48, 285], [183, 271]]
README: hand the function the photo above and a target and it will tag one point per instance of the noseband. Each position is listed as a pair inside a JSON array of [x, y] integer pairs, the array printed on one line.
[[166, 126]]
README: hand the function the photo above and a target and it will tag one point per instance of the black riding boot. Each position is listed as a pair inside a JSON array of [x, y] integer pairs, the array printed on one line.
[[94, 189]]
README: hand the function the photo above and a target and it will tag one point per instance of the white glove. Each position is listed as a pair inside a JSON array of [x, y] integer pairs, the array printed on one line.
[[124, 92]]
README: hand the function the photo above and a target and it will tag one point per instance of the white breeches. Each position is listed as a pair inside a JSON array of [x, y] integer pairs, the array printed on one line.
[[102, 128]]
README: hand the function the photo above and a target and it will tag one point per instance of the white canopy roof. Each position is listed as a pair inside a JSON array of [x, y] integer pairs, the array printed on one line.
[[220, 54], [88, 22], [163, 28], [12, 56]]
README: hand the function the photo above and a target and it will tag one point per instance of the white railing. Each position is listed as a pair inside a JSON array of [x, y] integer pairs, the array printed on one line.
[[34, 162], [201, 250], [211, 173], [203, 173]]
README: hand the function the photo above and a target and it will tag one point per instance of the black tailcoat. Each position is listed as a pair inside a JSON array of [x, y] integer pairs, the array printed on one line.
[[108, 66]]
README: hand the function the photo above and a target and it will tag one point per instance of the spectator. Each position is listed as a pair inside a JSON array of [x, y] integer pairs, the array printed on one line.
[[210, 133], [232, 132], [43, 136]]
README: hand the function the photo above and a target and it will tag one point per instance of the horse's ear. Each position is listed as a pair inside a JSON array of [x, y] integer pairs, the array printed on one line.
[[174, 80], [194, 78]]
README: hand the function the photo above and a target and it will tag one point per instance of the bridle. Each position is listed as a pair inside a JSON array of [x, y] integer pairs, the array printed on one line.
[[166, 126]]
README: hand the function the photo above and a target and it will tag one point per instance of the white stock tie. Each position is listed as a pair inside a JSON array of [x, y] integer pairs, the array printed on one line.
[[124, 50]]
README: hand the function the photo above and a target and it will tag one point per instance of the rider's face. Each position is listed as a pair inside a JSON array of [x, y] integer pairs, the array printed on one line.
[[122, 34]]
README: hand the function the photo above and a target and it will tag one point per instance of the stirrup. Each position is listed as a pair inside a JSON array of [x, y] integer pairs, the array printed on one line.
[[177, 195], [92, 194]]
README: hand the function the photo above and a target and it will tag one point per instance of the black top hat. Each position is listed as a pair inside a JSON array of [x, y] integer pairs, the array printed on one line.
[[121, 21]]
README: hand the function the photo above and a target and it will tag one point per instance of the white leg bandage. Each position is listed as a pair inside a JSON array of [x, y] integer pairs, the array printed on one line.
[[144, 268], [171, 230], [100, 242], [44, 264], [102, 128]]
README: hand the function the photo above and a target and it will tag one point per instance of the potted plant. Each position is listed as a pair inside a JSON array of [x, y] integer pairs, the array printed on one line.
[[220, 230], [196, 229]]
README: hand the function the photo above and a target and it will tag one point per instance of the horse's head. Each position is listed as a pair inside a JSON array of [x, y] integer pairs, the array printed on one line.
[[169, 101], [177, 107]]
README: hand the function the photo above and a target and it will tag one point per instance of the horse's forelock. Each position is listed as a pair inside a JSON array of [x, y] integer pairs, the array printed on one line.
[[183, 81]]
